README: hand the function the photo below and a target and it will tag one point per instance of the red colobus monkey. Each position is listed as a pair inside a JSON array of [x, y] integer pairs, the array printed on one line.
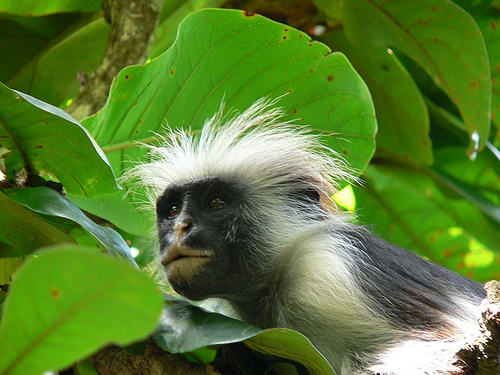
[[244, 214]]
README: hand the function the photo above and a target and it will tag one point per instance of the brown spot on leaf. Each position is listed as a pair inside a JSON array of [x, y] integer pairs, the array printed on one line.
[[474, 84], [248, 13], [55, 293], [330, 78], [127, 76], [172, 72]]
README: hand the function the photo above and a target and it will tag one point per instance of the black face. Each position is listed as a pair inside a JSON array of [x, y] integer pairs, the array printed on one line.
[[201, 240]]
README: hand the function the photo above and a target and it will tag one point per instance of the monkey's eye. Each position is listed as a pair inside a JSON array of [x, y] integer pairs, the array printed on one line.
[[216, 202], [174, 211]]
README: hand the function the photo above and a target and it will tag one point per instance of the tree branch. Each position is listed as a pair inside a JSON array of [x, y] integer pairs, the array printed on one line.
[[482, 356], [133, 27]]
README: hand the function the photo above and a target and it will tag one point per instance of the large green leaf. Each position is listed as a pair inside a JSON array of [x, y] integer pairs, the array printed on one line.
[[289, 344], [235, 57], [67, 303], [185, 328], [489, 23], [46, 201], [443, 39], [40, 8], [401, 112], [172, 15], [22, 38], [43, 138], [52, 74], [409, 209], [22, 232]]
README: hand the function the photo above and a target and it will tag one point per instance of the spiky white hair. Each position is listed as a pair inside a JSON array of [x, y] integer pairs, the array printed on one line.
[[256, 148]]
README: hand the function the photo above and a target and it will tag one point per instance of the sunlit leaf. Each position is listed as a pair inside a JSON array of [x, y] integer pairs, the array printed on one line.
[[411, 210], [67, 303]]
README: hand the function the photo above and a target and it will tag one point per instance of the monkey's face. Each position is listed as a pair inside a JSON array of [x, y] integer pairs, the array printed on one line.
[[199, 244]]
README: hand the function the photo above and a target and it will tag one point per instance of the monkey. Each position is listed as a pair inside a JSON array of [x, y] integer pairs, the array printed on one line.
[[245, 214]]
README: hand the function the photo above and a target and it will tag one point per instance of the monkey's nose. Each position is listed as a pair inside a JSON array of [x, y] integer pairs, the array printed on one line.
[[182, 227]]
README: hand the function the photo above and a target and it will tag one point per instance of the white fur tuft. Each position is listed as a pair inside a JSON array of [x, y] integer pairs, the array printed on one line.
[[255, 147]]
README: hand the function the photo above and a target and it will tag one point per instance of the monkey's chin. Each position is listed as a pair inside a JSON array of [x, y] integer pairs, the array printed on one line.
[[182, 263], [184, 269]]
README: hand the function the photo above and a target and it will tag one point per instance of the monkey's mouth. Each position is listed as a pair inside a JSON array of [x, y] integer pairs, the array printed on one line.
[[184, 262]]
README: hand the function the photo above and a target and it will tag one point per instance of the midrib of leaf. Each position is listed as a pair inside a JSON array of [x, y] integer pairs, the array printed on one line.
[[53, 327], [30, 168]]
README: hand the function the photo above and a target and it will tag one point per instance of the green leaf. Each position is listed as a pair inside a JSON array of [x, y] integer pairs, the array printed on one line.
[[409, 209], [47, 201], [67, 303], [185, 328], [22, 38], [22, 232], [180, 89], [40, 8], [401, 112], [330, 7], [52, 74], [470, 193], [443, 39], [44, 138], [289, 344], [489, 23], [7, 268], [482, 175], [172, 15]]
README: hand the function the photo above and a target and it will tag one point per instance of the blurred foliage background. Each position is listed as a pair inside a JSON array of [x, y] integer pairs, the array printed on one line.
[[406, 92]]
